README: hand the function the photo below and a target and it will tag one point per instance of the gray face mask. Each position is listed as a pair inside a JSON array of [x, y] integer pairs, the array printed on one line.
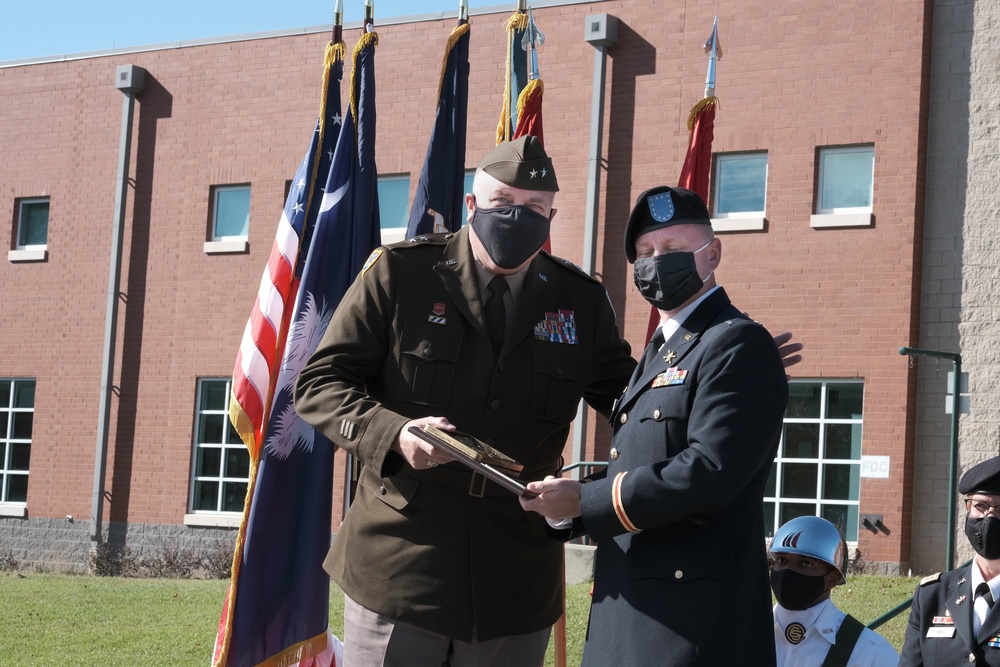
[[510, 234]]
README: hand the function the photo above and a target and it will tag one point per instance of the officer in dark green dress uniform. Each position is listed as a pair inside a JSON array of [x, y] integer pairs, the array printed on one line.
[[439, 565]]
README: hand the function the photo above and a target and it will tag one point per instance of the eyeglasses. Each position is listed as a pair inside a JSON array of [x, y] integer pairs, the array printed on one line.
[[979, 508]]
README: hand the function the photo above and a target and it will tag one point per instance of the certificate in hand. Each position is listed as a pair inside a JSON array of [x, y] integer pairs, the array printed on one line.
[[477, 455]]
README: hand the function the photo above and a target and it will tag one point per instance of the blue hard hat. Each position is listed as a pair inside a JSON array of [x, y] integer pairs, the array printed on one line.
[[813, 537]]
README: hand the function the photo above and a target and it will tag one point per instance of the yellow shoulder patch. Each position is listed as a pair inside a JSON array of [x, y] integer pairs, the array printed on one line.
[[930, 579], [370, 262]]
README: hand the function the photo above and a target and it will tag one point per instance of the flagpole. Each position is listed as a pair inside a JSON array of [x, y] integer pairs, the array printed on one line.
[[712, 49], [338, 22], [369, 15], [463, 12]]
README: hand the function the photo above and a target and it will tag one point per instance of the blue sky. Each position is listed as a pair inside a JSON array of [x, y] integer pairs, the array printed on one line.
[[40, 28]]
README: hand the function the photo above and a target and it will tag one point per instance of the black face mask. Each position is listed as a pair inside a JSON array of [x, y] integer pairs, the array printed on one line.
[[984, 535], [510, 234], [796, 591], [667, 281]]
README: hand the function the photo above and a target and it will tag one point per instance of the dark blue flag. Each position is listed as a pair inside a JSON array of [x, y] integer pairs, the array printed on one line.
[[279, 597], [438, 204]]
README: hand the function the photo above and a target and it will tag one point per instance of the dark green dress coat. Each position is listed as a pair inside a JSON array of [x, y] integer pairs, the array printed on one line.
[[409, 340]]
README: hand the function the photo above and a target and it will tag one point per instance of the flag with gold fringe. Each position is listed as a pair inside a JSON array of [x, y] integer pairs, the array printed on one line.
[[438, 202], [277, 608]]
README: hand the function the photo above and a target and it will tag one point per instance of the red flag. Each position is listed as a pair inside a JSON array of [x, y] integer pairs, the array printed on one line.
[[697, 165]]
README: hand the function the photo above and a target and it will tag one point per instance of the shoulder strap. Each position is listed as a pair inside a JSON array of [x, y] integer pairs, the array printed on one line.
[[847, 637]]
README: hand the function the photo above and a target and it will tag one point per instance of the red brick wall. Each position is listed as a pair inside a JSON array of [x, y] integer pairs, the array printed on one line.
[[794, 77]]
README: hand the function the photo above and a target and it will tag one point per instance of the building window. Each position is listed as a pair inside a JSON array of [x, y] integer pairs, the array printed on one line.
[[393, 206], [818, 468], [740, 185], [230, 212], [17, 412], [846, 176], [32, 224], [221, 469]]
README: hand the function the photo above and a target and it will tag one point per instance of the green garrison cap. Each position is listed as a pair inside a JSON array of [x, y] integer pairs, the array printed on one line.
[[521, 163]]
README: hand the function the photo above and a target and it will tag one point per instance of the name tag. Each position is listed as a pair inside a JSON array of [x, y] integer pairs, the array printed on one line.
[[941, 631]]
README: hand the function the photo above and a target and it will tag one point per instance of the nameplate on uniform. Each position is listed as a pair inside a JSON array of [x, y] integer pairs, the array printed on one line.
[[671, 376], [941, 631], [558, 327]]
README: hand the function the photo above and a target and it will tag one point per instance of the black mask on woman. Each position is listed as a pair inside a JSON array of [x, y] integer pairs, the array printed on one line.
[[984, 535], [794, 590], [667, 281], [510, 234]]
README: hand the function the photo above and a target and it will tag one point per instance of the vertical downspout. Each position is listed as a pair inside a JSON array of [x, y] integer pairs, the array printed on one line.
[[601, 30], [130, 80]]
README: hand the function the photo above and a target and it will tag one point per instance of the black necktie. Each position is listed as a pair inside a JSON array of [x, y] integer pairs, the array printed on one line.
[[655, 343], [983, 590], [496, 314]]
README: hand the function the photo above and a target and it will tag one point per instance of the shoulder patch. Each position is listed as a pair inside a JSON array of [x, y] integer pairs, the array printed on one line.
[[370, 262], [930, 579]]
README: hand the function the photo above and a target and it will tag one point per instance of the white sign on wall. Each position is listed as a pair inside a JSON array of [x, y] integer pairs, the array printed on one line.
[[875, 466]]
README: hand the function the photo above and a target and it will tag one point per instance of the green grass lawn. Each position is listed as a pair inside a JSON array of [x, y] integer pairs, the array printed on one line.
[[109, 621]]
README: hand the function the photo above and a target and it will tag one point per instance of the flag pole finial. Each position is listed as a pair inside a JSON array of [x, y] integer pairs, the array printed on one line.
[[714, 51], [533, 38]]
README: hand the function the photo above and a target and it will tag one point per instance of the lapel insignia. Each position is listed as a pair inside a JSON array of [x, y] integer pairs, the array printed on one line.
[[558, 327], [670, 356], [450, 262], [795, 633], [544, 278], [672, 375], [688, 336], [961, 581], [960, 599]]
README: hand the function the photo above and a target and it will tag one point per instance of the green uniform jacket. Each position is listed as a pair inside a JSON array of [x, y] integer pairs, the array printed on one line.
[[409, 340]]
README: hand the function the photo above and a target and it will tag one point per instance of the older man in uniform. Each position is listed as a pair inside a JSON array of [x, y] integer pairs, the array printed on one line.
[[953, 620], [681, 571], [481, 331]]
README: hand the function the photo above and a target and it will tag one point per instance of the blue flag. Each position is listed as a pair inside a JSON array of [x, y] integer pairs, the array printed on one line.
[[438, 204], [280, 592]]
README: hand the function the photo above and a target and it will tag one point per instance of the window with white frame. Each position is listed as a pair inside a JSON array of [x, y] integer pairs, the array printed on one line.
[[230, 212], [817, 471], [393, 206], [17, 412], [221, 468], [32, 223], [846, 177], [740, 185]]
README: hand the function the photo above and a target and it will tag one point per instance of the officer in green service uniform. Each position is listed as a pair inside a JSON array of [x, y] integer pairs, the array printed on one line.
[[439, 565], [953, 620]]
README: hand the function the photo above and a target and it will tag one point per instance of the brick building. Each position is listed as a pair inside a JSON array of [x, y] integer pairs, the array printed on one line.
[[849, 188]]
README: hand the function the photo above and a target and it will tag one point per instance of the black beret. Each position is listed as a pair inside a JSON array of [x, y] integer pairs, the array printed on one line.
[[983, 477], [521, 163], [663, 206]]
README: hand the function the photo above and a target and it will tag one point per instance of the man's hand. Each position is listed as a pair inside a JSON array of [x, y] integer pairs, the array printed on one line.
[[558, 498], [787, 350], [419, 453]]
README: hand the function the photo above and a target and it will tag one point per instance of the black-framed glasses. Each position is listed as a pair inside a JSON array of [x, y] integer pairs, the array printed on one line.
[[981, 507]]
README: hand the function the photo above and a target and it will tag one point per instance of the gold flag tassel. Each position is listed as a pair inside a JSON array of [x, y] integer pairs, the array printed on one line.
[[702, 104], [517, 21]]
